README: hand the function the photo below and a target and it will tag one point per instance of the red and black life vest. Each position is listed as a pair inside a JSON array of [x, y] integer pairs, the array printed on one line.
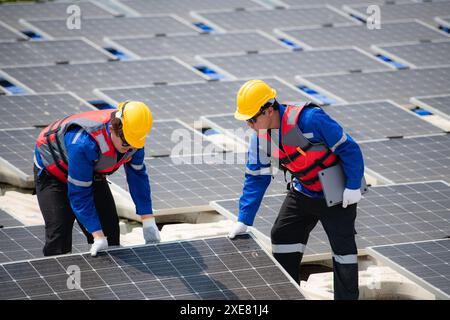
[[297, 154], [53, 151]]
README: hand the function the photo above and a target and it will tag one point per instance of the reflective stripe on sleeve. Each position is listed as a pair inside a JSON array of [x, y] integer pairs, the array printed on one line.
[[263, 171], [79, 183], [341, 141], [137, 167]]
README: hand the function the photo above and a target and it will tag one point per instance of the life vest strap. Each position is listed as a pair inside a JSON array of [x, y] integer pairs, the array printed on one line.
[[53, 131]]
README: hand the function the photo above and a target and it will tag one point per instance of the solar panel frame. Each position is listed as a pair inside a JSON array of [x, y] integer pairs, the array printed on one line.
[[95, 29], [3, 91], [41, 10], [360, 36], [197, 269], [431, 54], [339, 18], [9, 33], [216, 96], [395, 160], [403, 212], [184, 46], [26, 52], [26, 242], [113, 72], [435, 251], [306, 63], [384, 92], [436, 107], [417, 10], [443, 21]]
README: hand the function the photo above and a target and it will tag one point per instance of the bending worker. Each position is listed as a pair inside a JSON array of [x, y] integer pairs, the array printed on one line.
[[72, 158], [321, 143]]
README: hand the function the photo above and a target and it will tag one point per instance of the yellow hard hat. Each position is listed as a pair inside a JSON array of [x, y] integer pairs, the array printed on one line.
[[137, 120], [251, 97]]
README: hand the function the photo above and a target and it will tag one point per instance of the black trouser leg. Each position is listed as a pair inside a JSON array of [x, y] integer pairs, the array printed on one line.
[[59, 217], [339, 224], [57, 213], [290, 234], [107, 212], [291, 263]]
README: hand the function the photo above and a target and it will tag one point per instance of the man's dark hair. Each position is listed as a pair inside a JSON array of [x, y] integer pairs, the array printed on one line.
[[276, 105], [116, 124]]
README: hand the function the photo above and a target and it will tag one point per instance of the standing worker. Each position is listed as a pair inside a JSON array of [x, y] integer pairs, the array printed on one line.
[[72, 158], [322, 143]]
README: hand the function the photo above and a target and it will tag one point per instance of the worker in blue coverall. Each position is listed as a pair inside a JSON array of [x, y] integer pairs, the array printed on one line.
[[73, 156], [321, 143]]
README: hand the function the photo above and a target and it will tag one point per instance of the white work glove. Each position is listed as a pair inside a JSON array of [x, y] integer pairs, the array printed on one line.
[[100, 243], [350, 196], [237, 228], [150, 231]]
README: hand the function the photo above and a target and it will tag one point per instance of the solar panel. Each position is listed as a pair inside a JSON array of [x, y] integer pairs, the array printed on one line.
[[95, 29], [386, 215], [268, 19], [363, 121], [168, 136], [378, 120], [186, 47], [361, 36], [183, 7], [82, 78], [412, 159], [191, 100], [8, 33], [16, 155], [419, 54], [394, 85], [188, 184], [7, 220], [23, 243], [425, 263], [289, 64], [424, 11], [15, 54], [11, 13], [24, 111], [436, 104], [214, 268]]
